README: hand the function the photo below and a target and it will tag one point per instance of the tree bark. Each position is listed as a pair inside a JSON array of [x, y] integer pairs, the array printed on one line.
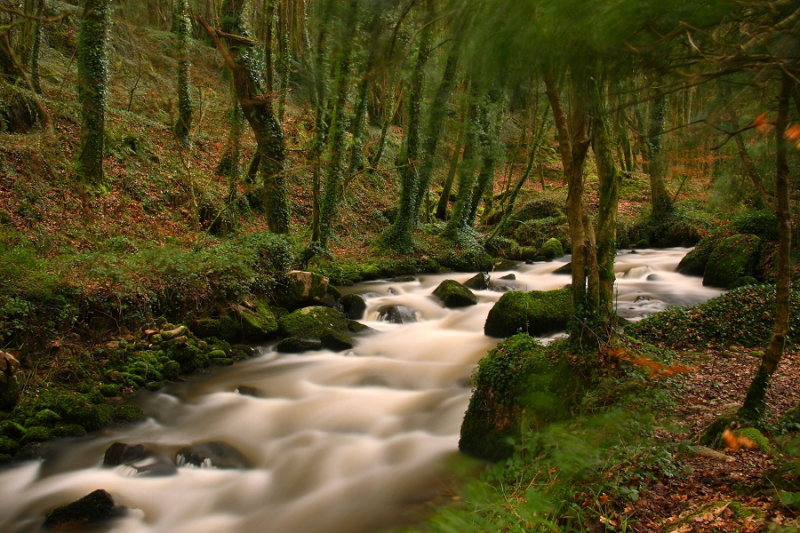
[[183, 28], [257, 106], [92, 80], [752, 409]]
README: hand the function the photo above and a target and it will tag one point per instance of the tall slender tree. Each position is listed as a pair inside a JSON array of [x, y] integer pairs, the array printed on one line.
[[92, 80], [183, 28]]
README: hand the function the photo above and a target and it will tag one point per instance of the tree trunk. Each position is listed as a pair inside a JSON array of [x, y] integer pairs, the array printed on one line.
[[399, 236], [753, 407], [333, 182], [92, 79], [258, 110], [573, 144], [609, 176], [436, 116], [183, 29], [447, 187], [656, 163], [457, 226]]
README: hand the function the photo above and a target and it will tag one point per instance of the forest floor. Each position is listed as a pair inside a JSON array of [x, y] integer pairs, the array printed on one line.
[[732, 492]]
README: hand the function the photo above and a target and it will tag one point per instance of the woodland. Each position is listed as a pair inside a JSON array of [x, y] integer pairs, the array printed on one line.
[[184, 182]]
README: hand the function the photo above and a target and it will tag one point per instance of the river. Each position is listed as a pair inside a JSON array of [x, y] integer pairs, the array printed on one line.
[[337, 442]]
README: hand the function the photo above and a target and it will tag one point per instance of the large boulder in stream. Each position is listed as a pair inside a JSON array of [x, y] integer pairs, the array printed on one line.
[[478, 282], [516, 386], [535, 313], [694, 263], [328, 326], [733, 258], [453, 294], [96, 507]]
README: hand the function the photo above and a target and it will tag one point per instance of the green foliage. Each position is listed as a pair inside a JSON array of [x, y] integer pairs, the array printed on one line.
[[763, 224], [740, 317]]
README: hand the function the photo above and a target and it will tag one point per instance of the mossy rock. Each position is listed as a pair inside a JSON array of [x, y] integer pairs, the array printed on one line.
[[95, 507], [11, 429], [353, 306], [297, 345], [535, 313], [453, 294], [552, 249], [37, 434], [127, 412], [734, 257], [297, 289], [694, 263], [257, 324], [515, 387], [69, 430], [325, 324], [478, 282], [47, 418], [8, 446], [312, 322]]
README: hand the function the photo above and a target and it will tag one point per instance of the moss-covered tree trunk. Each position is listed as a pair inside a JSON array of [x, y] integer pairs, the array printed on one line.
[[447, 186], [337, 149], [399, 236], [238, 50], [183, 29], [656, 161], [573, 143], [609, 177], [458, 225], [92, 80], [753, 407], [489, 137], [434, 126]]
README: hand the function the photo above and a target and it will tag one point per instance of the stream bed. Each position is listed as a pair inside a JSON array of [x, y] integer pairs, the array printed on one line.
[[334, 442]]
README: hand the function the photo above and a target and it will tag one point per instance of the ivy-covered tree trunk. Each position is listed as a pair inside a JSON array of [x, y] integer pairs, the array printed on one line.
[[447, 186], [238, 50], [92, 80], [489, 135], [609, 177], [399, 236], [183, 28], [753, 407], [573, 144], [656, 162], [458, 225], [436, 116], [36, 49], [333, 181]]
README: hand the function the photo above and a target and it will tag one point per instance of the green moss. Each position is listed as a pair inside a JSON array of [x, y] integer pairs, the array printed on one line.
[[535, 313], [8, 445], [312, 322], [733, 258], [515, 387], [758, 438], [36, 434], [694, 263], [69, 430], [127, 412], [47, 417], [453, 294], [552, 249]]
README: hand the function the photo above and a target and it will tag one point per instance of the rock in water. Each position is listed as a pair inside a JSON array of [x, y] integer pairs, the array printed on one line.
[[453, 294], [353, 306], [96, 507], [212, 455], [535, 313], [397, 314], [478, 282]]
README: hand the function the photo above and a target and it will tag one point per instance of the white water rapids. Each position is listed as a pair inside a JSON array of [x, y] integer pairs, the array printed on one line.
[[339, 442]]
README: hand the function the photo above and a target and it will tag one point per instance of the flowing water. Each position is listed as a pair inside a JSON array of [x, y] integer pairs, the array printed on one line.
[[337, 442]]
